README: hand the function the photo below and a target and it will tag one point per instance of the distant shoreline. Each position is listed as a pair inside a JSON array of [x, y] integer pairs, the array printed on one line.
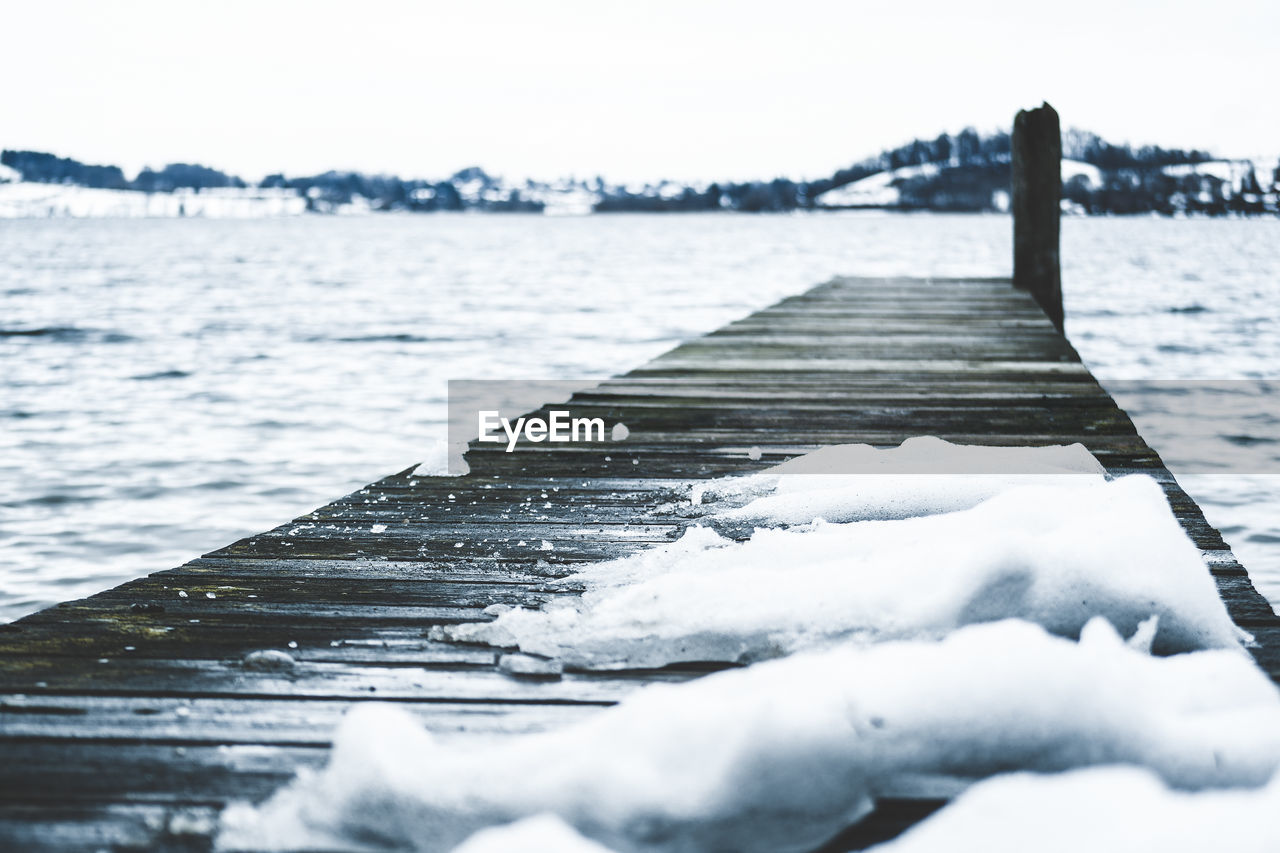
[[963, 173], [32, 201]]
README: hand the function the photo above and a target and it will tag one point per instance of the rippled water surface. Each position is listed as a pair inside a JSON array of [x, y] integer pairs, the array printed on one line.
[[167, 386]]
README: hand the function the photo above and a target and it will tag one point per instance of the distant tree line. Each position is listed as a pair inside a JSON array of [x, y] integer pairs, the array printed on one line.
[[387, 192], [966, 149], [184, 176], [967, 171], [1091, 148], [43, 168], [47, 169], [773, 196], [970, 170]]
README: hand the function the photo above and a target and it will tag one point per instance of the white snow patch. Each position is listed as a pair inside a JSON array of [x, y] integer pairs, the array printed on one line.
[[527, 666], [781, 755], [1228, 171], [562, 201], [270, 660], [1079, 169], [922, 476], [1057, 556], [1113, 808], [544, 833], [882, 188], [875, 190], [26, 199], [443, 460]]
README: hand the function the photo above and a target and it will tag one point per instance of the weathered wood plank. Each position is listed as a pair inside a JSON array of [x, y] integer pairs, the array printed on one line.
[[33, 675], [219, 720], [62, 771], [75, 827]]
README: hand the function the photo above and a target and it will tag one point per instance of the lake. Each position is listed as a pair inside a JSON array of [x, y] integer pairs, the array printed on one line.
[[171, 385]]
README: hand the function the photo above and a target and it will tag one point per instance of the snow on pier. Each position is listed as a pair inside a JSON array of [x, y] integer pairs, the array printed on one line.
[[133, 718]]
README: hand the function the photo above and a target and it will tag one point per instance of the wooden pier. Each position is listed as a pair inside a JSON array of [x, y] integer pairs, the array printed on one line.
[[128, 719]]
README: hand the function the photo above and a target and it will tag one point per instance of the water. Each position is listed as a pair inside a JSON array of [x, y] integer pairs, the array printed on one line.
[[178, 384]]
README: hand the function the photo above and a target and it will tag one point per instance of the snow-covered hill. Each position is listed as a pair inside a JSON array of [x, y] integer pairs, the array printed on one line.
[[24, 199], [882, 189]]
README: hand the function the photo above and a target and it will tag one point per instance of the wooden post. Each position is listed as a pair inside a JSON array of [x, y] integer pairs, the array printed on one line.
[[1037, 189]]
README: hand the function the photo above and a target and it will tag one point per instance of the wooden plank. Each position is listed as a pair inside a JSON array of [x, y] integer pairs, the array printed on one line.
[[76, 827], [192, 678], [907, 363], [66, 771], [219, 720]]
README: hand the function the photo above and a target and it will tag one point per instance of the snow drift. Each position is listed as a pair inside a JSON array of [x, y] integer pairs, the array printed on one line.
[[1114, 808], [1054, 555], [922, 476], [782, 755], [544, 833]]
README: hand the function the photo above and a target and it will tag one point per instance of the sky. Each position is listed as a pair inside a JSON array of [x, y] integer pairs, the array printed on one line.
[[640, 90]]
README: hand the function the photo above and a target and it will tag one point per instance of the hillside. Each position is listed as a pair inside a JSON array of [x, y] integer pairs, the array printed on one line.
[[965, 172]]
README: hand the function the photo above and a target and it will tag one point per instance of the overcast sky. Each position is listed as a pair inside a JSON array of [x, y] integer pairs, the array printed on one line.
[[631, 90]]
